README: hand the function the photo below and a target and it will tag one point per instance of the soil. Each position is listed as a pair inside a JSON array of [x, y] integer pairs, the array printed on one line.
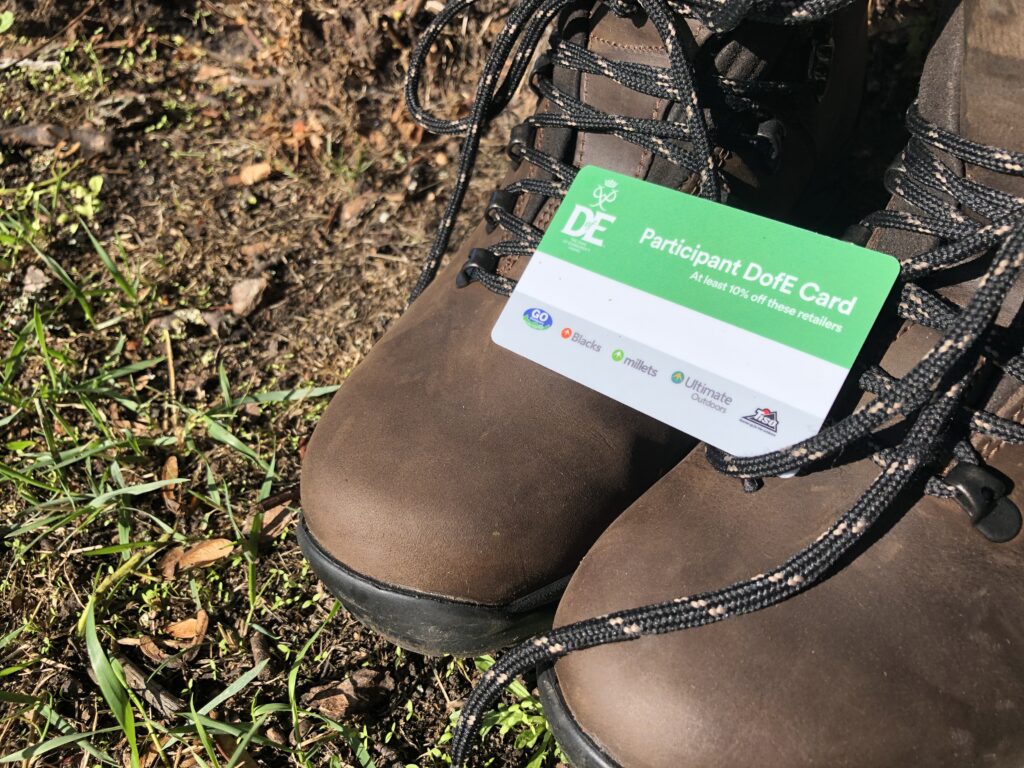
[[270, 200]]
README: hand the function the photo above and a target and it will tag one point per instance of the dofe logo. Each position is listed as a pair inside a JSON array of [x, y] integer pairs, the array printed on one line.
[[586, 223]]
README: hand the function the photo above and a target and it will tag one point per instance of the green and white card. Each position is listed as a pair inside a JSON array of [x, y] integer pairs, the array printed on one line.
[[733, 328]]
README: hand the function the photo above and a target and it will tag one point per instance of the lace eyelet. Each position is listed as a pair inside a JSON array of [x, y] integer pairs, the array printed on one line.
[[479, 258], [771, 136], [983, 497], [522, 136], [501, 200]]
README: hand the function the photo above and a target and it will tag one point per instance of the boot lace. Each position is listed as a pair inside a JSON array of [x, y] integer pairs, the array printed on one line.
[[975, 226], [688, 143]]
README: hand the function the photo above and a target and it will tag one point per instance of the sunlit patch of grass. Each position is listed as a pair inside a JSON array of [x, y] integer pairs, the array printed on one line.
[[88, 419], [127, 442]]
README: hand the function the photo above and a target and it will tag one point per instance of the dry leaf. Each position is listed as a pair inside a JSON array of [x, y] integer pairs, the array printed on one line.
[[151, 650], [357, 206], [169, 563], [202, 624], [412, 133], [170, 468], [205, 553], [378, 140], [35, 280], [246, 294], [275, 520], [207, 72], [253, 174], [228, 748], [219, 322], [364, 690], [184, 630], [190, 629], [170, 472], [253, 250], [148, 758]]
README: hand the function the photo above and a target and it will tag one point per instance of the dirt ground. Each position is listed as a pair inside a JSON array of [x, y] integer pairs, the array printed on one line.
[[209, 211]]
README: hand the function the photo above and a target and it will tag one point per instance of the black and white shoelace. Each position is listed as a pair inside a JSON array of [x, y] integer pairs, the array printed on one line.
[[687, 143], [974, 224]]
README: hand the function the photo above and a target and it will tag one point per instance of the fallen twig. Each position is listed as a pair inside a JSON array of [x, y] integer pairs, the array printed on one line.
[[33, 51], [50, 135]]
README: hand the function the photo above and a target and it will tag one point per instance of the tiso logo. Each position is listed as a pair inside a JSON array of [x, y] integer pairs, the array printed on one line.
[[538, 319], [586, 222], [764, 419]]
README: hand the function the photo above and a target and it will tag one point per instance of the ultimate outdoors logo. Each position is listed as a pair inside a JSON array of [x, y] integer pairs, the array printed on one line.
[[587, 222], [764, 418]]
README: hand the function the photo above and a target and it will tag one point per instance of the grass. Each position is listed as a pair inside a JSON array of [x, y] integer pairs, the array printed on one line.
[[86, 486], [154, 609]]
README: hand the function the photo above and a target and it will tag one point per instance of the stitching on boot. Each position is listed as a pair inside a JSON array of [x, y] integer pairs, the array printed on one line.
[[620, 46], [995, 446]]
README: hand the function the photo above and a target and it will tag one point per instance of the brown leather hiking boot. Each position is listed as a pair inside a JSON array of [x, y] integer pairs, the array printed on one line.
[[452, 487], [893, 636]]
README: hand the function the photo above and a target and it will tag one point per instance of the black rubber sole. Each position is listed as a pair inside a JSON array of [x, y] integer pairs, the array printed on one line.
[[581, 750], [426, 623]]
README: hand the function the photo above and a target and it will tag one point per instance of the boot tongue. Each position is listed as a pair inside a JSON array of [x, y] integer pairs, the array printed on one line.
[[954, 68], [938, 96], [637, 40], [619, 39], [993, 80], [988, 106], [633, 40]]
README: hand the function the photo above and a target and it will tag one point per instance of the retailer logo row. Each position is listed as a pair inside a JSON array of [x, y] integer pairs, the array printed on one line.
[[764, 419]]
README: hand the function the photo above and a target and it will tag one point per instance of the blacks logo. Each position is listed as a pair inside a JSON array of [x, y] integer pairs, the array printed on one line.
[[764, 418]]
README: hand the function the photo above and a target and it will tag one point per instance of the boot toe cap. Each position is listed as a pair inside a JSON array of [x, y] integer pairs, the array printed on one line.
[[904, 657], [450, 466]]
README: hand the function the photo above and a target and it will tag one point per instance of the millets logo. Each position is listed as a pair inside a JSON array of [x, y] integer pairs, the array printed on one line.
[[765, 419], [587, 222], [636, 364]]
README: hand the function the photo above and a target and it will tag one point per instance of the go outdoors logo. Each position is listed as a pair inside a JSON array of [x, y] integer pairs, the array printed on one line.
[[538, 319], [586, 222]]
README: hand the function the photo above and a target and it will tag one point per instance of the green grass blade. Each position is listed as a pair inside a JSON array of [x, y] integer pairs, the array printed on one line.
[[50, 745], [280, 396], [235, 687], [218, 432], [65, 278], [119, 278], [111, 685], [135, 490]]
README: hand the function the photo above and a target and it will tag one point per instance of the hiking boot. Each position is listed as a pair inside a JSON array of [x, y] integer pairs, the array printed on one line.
[[452, 486], [893, 636]]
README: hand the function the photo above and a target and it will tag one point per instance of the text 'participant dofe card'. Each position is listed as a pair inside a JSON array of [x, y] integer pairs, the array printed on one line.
[[736, 329]]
